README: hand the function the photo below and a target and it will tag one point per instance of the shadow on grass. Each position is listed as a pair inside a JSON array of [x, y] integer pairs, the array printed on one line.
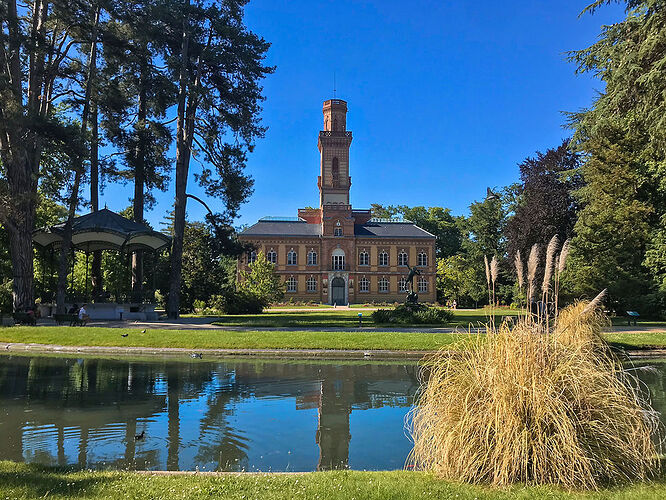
[[42, 481]]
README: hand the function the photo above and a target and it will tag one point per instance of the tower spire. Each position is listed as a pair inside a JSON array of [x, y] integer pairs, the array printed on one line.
[[334, 86]]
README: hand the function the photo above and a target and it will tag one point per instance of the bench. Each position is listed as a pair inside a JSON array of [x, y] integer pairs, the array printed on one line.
[[23, 318], [72, 319], [632, 315]]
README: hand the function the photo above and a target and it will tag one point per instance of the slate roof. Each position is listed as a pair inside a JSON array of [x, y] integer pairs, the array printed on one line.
[[390, 230], [368, 230], [282, 228]]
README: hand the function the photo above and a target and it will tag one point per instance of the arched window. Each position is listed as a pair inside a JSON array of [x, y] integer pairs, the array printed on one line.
[[312, 258], [364, 284], [402, 258], [335, 123], [338, 260], [312, 284], [402, 285], [335, 173], [423, 285], [384, 258], [271, 256], [364, 258], [422, 259], [383, 285], [292, 284], [338, 229], [252, 257], [292, 258]]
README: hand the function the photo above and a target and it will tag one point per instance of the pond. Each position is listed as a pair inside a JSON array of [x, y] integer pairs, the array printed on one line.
[[220, 414]]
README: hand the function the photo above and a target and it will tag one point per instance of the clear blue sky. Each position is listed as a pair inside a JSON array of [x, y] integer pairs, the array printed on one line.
[[445, 98]]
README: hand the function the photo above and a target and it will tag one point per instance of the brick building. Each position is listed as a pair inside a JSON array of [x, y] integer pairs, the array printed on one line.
[[337, 254]]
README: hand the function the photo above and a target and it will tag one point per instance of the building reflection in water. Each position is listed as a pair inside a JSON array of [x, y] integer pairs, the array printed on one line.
[[221, 414]]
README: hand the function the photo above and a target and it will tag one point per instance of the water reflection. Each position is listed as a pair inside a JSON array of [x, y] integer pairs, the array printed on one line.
[[211, 415]]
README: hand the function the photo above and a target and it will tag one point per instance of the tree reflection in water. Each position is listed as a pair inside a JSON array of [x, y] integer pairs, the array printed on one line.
[[221, 414]]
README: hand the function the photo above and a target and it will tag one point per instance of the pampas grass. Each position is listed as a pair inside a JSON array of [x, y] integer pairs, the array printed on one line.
[[535, 404], [522, 407], [520, 272]]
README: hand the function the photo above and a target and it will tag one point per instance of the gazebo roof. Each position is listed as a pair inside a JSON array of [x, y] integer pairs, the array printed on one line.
[[103, 230]]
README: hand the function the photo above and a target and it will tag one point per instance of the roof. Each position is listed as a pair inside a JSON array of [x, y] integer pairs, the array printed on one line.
[[282, 228], [372, 229], [103, 230]]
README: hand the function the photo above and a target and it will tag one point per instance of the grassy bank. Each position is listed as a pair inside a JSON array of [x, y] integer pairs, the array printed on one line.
[[28, 482], [221, 339]]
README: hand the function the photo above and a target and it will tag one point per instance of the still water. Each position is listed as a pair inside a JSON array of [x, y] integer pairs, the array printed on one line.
[[218, 414]]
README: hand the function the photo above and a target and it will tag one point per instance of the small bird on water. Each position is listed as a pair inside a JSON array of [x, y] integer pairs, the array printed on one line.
[[139, 437], [124, 334], [196, 355]]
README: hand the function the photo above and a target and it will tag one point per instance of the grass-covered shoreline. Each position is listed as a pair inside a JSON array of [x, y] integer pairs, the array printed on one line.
[[24, 481], [224, 339]]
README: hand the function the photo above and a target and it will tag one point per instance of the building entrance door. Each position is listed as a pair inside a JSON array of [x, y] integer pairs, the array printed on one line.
[[338, 291]]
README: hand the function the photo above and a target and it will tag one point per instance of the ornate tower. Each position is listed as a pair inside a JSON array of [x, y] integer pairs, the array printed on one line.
[[334, 141]]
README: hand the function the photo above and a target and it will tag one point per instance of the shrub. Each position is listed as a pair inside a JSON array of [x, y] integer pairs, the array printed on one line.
[[237, 302], [532, 405], [199, 306], [419, 314]]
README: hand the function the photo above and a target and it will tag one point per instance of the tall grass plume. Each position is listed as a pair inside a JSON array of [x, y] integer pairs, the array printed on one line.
[[534, 403], [522, 407]]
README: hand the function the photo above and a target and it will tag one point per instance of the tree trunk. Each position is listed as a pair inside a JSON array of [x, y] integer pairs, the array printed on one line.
[[140, 178], [182, 167], [96, 271], [78, 173]]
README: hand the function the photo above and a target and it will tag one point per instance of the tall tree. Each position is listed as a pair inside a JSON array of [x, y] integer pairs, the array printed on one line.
[[546, 205], [218, 64], [623, 135], [79, 157], [37, 37], [136, 99]]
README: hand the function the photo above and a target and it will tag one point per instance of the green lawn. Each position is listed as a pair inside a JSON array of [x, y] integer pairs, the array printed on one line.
[[342, 318], [20, 481], [221, 339]]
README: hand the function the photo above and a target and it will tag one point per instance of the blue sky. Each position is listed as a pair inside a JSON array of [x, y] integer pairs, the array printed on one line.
[[445, 98]]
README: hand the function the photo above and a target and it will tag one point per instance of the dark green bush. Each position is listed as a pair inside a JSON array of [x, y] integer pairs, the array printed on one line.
[[238, 302], [419, 314]]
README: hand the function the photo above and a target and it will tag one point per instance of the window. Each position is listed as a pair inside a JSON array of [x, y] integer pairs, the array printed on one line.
[[364, 284], [292, 258], [402, 258], [383, 285], [423, 285], [252, 257], [338, 262], [312, 284], [337, 231], [271, 256], [364, 258], [291, 284], [335, 173], [402, 285], [422, 259], [383, 258], [312, 258]]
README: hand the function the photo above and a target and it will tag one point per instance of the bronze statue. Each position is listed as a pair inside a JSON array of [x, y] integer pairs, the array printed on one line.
[[412, 296]]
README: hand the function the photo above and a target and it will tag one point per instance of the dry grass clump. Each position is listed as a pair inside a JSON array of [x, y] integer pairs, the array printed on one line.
[[527, 405]]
